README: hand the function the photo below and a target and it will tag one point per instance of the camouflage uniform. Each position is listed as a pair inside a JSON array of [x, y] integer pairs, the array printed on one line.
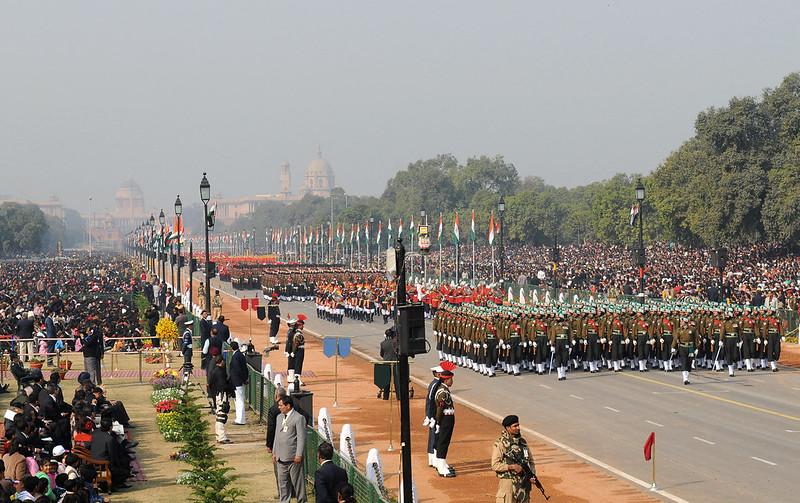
[[510, 450]]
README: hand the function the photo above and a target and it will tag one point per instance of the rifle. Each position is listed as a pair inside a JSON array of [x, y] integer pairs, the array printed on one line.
[[529, 477]]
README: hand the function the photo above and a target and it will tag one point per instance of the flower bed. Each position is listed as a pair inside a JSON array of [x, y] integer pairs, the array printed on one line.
[[165, 373], [165, 406], [165, 382], [160, 395], [169, 425]]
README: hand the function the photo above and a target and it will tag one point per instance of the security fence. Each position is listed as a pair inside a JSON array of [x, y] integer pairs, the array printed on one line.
[[259, 395]]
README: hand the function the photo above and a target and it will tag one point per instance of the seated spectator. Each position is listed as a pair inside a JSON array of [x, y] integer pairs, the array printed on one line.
[[107, 408], [26, 487], [104, 446], [14, 461], [71, 464]]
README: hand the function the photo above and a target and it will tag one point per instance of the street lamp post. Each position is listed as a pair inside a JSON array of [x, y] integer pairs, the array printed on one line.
[[205, 196], [152, 253], [162, 245], [178, 213], [641, 256], [423, 219], [501, 209]]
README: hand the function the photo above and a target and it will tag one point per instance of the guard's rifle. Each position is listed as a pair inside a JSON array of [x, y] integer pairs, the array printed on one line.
[[529, 477]]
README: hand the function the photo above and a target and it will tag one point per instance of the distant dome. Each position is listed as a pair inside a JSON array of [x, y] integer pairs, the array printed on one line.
[[319, 177], [129, 190]]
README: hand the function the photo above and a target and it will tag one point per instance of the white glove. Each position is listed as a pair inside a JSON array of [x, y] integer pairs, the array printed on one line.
[[525, 344], [765, 342], [691, 354], [583, 341], [432, 424], [437, 429], [500, 341], [285, 354], [603, 340], [291, 354], [460, 340], [739, 344], [552, 348], [783, 339], [574, 342], [661, 341], [627, 341], [651, 341], [425, 422], [758, 340], [674, 351], [534, 344], [635, 342], [485, 345]]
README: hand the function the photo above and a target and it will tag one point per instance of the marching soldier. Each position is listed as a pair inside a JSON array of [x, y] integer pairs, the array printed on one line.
[[773, 338], [685, 342], [641, 339], [559, 345], [667, 328], [748, 342], [513, 463], [274, 316], [732, 341], [216, 304]]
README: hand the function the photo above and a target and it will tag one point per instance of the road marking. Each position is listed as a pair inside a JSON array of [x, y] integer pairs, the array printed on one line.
[[560, 445], [545, 386], [576, 396], [612, 409], [792, 431], [709, 442], [713, 397], [796, 389], [764, 461], [654, 423], [682, 390]]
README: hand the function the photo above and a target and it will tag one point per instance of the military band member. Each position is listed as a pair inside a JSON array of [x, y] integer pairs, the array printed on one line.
[[732, 341], [641, 340], [773, 338], [748, 341]]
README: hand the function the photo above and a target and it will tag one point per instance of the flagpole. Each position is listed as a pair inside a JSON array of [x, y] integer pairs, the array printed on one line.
[[654, 487], [473, 261], [440, 259], [492, 247]]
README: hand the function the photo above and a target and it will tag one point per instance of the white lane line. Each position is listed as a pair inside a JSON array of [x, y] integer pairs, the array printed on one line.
[[709, 442], [792, 431], [796, 389], [545, 386], [764, 461], [654, 423], [612, 409], [577, 397]]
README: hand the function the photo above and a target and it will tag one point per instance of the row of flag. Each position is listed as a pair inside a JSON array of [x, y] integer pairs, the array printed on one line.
[[313, 235]]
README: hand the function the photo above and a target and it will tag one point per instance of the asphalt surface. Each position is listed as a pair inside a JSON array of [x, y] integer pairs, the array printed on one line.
[[719, 439]]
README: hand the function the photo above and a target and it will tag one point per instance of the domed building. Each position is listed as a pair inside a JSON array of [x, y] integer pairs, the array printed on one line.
[[319, 180], [129, 208]]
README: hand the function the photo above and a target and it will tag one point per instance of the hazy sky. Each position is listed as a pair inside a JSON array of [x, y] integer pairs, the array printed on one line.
[[92, 93]]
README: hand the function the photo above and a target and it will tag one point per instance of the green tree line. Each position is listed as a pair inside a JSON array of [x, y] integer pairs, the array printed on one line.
[[737, 180]]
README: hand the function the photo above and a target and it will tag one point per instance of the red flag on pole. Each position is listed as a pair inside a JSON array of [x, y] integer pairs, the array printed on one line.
[[648, 445], [254, 303], [245, 304]]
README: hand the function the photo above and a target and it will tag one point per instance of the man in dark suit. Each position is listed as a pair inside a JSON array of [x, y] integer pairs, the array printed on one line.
[[328, 476], [205, 328], [25, 336], [389, 354], [239, 377], [105, 447], [222, 329], [287, 452]]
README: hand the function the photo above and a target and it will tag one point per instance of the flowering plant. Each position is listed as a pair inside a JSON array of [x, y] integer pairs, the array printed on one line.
[[165, 406], [167, 330], [160, 395], [165, 373], [170, 426], [147, 344], [165, 382]]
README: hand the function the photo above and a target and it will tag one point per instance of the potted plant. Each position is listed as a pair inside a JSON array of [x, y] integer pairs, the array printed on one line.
[[65, 364], [36, 363]]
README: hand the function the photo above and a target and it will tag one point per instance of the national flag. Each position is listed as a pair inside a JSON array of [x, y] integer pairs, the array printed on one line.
[[491, 229], [634, 213], [330, 233], [358, 233], [366, 231], [648, 446], [380, 228], [456, 232], [472, 235], [400, 229], [390, 231], [352, 231], [412, 225], [440, 227]]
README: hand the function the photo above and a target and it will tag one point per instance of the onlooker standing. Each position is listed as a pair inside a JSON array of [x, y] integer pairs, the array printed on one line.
[[513, 464], [287, 452], [92, 353], [389, 354], [328, 477], [216, 303], [219, 387], [239, 377], [25, 336], [186, 344], [272, 421]]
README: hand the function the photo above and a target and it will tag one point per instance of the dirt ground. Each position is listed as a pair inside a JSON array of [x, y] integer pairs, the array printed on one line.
[[371, 420]]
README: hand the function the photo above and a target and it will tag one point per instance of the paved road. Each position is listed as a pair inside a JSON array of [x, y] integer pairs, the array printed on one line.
[[720, 439]]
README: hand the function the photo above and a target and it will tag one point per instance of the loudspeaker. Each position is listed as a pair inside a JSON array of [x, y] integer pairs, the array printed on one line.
[[411, 329]]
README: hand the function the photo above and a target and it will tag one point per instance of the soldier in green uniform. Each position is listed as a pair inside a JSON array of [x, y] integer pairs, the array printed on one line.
[[513, 463], [685, 342]]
